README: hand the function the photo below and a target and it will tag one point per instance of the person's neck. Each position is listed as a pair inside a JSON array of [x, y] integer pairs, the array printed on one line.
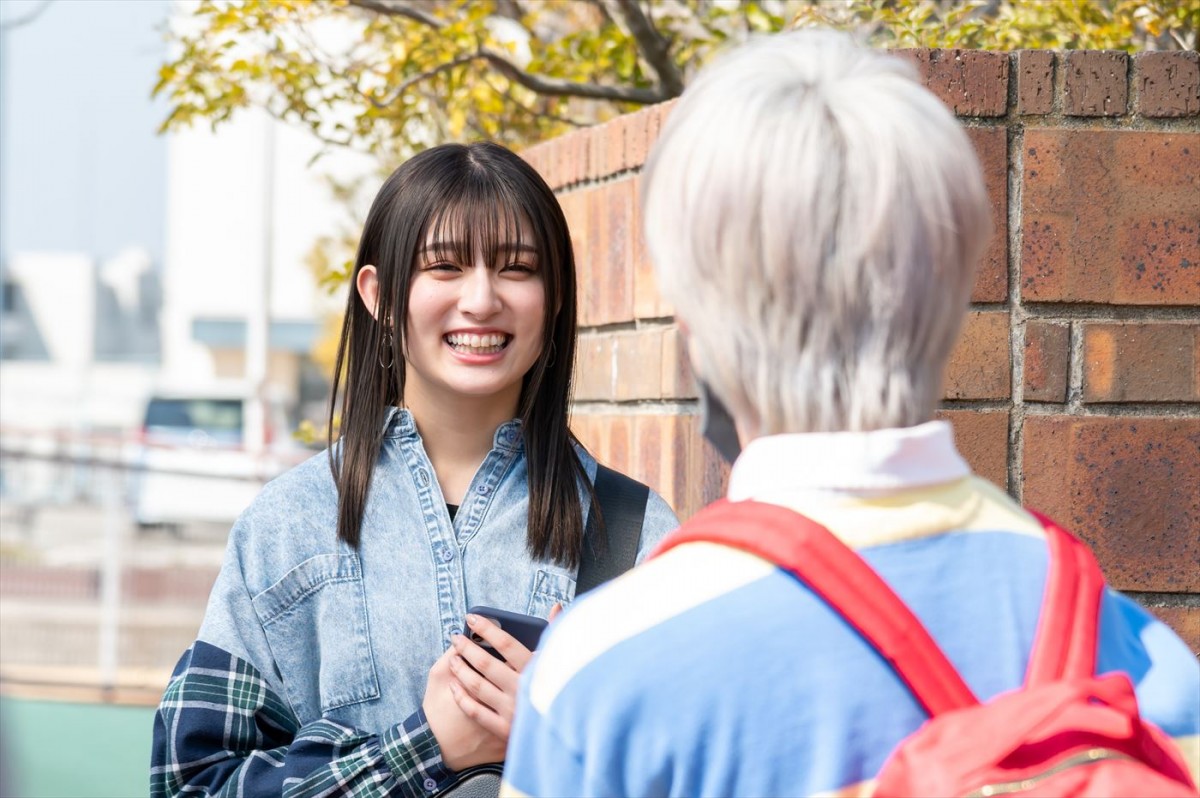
[[458, 433]]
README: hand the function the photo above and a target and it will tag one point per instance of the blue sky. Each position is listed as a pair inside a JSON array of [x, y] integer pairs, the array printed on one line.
[[81, 167]]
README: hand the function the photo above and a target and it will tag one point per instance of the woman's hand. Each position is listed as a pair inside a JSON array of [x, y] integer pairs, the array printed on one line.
[[484, 688], [464, 742]]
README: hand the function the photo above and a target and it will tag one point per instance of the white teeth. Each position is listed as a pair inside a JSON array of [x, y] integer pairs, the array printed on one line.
[[489, 342]]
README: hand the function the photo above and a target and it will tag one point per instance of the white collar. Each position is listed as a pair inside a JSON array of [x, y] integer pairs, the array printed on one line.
[[880, 461]]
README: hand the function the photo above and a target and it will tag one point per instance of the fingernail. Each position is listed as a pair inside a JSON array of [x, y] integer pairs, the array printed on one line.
[[472, 619]]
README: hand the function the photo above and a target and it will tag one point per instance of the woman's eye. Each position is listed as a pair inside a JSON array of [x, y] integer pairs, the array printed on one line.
[[520, 268], [441, 266]]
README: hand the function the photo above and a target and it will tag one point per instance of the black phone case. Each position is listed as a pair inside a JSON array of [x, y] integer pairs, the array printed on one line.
[[527, 629]]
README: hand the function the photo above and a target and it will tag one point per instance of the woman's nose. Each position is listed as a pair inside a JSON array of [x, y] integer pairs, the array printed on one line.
[[479, 297]]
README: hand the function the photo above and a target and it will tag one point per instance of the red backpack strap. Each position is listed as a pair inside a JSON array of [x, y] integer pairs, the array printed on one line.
[[812, 554], [1065, 643]]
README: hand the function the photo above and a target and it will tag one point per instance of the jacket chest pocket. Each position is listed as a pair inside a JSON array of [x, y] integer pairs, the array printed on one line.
[[315, 620], [549, 588]]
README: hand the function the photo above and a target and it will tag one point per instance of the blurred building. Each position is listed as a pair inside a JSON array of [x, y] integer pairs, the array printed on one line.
[[132, 262]]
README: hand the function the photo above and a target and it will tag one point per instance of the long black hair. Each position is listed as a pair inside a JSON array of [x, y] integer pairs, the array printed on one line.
[[479, 193]]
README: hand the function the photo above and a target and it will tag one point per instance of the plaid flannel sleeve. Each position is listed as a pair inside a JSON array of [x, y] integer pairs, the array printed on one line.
[[221, 730]]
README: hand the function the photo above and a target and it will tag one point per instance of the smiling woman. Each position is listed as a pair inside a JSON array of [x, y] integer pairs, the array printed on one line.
[[332, 656]]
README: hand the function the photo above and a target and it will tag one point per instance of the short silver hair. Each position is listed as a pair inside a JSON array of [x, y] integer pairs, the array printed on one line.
[[815, 216]]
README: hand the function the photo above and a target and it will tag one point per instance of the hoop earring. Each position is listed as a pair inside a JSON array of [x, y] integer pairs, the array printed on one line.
[[386, 346]]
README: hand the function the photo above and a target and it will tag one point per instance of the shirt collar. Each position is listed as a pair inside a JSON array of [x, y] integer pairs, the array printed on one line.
[[398, 422], [880, 461]]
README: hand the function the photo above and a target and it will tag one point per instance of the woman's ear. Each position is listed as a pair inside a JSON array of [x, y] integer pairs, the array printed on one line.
[[367, 284]]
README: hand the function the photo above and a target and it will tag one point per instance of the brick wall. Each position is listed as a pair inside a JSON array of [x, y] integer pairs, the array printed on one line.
[[1076, 384]]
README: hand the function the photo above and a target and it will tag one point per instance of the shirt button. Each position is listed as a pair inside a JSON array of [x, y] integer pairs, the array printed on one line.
[[483, 489], [447, 554], [430, 785], [454, 630], [423, 477]]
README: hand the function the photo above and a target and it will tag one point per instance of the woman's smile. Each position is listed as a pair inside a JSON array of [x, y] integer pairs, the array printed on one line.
[[476, 344]]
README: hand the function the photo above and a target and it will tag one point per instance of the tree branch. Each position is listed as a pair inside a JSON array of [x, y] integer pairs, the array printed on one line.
[[398, 9], [508, 95], [653, 46], [28, 18], [409, 82], [510, 9], [557, 87], [602, 10]]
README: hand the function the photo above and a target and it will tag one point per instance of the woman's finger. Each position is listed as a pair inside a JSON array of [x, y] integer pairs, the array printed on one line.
[[555, 610], [515, 654], [498, 673], [480, 688], [487, 718]]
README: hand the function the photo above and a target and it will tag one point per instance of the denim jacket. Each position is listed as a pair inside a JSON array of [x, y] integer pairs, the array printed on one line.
[[310, 665]]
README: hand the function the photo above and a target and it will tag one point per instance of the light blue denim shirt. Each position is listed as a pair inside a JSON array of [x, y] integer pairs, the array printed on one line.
[[350, 636]]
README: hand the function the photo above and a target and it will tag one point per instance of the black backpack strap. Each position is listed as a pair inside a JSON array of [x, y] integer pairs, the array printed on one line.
[[622, 505]]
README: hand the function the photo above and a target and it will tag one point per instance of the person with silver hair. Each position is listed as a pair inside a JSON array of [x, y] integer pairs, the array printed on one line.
[[815, 216]]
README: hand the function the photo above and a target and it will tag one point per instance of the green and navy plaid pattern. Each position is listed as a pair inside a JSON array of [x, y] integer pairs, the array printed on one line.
[[221, 730]]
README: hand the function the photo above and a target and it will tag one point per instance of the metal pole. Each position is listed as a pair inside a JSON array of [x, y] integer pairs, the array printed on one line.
[[110, 582], [258, 321]]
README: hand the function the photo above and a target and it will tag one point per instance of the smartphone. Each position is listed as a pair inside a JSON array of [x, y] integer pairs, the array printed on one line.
[[527, 629]]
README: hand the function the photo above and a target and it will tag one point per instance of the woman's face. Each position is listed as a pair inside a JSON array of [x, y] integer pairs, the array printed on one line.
[[474, 329]]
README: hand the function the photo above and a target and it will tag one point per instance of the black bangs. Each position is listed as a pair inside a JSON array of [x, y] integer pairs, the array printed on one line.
[[478, 214]]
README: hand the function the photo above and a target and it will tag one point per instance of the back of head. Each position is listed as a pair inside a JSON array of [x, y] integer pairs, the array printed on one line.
[[815, 216]]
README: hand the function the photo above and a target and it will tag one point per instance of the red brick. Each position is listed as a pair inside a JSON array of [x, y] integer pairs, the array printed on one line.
[[597, 157], [663, 444], [614, 145], [1168, 83], [991, 145], [1183, 619], [536, 156], [638, 358], [657, 120], [636, 137], [547, 155], [565, 163], [666, 451], [1047, 361], [707, 471], [591, 293], [668, 454], [1125, 485], [588, 431], [980, 365], [586, 152], [613, 270], [1035, 82], [620, 442], [1111, 216], [1168, 161], [1150, 362], [1096, 83], [971, 82], [594, 373], [576, 208], [981, 436], [648, 303], [678, 382]]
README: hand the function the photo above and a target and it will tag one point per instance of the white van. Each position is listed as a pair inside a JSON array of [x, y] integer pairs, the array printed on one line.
[[191, 462]]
